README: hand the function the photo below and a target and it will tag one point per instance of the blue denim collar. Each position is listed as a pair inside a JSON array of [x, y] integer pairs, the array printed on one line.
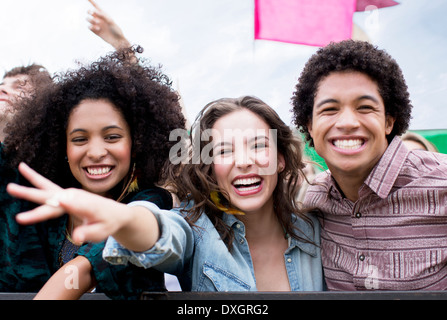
[[307, 232]]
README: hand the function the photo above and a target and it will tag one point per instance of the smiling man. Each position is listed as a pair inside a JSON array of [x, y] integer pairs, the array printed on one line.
[[383, 208]]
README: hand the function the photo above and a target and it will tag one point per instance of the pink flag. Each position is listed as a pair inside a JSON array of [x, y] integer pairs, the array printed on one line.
[[362, 4], [310, 22]]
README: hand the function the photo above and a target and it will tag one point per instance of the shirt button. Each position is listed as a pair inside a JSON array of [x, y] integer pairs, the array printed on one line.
[[289, 260], [238, 226], [119, 260], [361, 257], [358, 215], [115, 252]]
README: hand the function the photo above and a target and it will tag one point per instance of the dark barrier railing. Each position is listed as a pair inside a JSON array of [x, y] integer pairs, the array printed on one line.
[[30, 296], [355, 295], [239, 296]]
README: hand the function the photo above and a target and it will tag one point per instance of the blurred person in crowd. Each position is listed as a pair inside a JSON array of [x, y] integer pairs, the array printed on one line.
[[19, 82], [415, 141]]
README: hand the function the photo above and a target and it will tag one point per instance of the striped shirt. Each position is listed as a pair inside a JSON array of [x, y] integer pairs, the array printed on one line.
[[394, 237]]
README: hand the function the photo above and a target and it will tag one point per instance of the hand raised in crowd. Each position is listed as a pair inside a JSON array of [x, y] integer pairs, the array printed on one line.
[[104, 27]]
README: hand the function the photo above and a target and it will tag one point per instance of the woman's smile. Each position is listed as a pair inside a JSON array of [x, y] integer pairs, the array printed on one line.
[[247, 185], [98, 172]]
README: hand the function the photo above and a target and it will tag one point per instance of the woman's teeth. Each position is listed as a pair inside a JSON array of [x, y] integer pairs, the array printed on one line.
[[247, 188], [98, 171], [247, 184]]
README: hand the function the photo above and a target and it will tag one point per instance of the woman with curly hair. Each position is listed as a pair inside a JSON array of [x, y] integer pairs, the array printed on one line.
[[102, 131], [243, 230], [383, 206]]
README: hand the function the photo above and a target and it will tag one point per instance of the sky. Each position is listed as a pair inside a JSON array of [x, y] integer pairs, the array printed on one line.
[[208, 50]]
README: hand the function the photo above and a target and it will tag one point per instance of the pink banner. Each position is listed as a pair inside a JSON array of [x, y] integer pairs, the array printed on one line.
[[362, 4], [309, 22]]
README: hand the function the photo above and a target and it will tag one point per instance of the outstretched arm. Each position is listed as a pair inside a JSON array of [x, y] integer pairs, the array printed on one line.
[[135, 228], [104, 27]]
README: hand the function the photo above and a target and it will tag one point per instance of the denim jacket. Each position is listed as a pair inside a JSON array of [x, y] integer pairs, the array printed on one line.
[[202, 261]]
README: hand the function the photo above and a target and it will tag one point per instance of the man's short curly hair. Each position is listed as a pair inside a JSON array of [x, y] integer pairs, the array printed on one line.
[[143, 94], [351, 55]]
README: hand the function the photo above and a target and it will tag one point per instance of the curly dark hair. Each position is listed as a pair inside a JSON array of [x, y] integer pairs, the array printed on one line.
[[143, 94], [195, 182], [351, 55]]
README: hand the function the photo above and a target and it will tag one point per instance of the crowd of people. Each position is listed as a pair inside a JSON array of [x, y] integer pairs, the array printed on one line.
[[94, 198]]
